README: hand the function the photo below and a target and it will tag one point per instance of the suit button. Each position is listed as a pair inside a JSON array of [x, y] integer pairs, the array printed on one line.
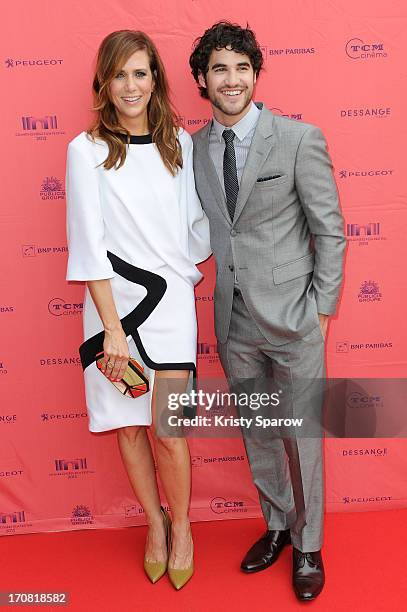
[[233, 232], [231, 268]]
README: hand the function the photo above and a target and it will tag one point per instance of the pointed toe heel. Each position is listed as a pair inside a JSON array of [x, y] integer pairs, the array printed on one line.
[[179, 577], [156, 569]]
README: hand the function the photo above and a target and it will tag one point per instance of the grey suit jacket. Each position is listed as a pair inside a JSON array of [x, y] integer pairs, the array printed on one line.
[[286, 241]]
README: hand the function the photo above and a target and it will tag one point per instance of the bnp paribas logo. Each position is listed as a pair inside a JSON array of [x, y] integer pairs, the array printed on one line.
[[52, 188]]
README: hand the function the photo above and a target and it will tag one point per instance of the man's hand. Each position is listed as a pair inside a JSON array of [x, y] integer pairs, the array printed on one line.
[[323, 323]]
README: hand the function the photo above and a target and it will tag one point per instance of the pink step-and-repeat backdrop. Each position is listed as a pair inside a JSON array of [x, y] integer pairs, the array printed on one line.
[[340, 65]]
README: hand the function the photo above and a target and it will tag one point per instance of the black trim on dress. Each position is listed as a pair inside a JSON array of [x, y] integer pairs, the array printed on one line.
[[156, 287]]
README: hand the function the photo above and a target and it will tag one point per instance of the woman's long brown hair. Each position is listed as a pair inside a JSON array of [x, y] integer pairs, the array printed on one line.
[[113, 53]]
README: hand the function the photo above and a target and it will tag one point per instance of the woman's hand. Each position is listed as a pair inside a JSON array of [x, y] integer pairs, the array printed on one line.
[[116, 352]]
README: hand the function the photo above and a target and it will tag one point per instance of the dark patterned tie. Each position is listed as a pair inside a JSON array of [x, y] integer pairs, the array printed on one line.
[[230, 172]]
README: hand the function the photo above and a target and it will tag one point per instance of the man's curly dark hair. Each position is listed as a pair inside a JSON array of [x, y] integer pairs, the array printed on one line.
[[221, 35]]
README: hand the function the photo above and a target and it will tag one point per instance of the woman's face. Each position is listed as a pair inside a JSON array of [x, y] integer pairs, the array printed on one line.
[[130, 92]]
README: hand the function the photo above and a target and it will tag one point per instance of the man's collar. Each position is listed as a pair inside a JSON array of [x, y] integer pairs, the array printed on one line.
[[242, 127]]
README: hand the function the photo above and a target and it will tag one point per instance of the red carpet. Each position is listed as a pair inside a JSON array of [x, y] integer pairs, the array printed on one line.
[[364, 554]]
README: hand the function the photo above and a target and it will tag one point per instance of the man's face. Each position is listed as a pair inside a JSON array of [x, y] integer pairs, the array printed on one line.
[[229, 82]]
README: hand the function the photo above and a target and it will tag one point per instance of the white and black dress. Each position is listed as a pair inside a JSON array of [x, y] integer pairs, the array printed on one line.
[[145, 230]]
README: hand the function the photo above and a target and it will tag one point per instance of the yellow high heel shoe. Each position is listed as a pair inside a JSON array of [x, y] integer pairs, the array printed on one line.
[[156, 569], [179, 577]]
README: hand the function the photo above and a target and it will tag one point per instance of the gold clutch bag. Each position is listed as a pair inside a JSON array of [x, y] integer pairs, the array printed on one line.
[[134, 382]]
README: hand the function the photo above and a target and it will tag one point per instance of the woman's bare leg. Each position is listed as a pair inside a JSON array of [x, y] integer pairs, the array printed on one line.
[[138, 460], [174, 467]]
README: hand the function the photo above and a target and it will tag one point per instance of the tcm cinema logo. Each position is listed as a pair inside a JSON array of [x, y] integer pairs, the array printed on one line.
[[379, 112], [348, 174], [52, 189], [39, 127], [364, 234], [369, 292], [32, 63], [10, 522], [71, 468], [278, 111], [59, 308], [287, 51], [344, 346], [357, 49], [220, 505], [32, 250], [3, 372], [81, 515]]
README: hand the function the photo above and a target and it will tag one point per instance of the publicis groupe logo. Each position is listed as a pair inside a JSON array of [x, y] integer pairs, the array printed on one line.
[[60, 308], [60, 361], [32, 62], [365, 452], [278, 111], [369, 292], [358, 49], [39, 127], [32, 250], [350, 174], [356, 399], [344, 346], [366, 112], [364, 234], [3, 369], [6, 309], [52, 417], [365, 500], [81, 515], [52, 189], [287, 51], [71, 468], [220, 505]]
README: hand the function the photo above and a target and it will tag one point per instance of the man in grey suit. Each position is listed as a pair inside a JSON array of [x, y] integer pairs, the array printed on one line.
[[266, 185]]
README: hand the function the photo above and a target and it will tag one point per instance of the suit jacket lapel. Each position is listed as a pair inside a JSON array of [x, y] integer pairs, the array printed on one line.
[[259, 150], [211, 173]]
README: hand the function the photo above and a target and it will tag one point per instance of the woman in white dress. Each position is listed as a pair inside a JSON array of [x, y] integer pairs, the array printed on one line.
[[135, 232]]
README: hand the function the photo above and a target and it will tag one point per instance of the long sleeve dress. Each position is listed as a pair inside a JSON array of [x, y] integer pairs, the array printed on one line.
[[145, 230]]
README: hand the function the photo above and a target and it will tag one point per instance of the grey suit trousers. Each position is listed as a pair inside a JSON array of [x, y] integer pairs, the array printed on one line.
[[287, 469]]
